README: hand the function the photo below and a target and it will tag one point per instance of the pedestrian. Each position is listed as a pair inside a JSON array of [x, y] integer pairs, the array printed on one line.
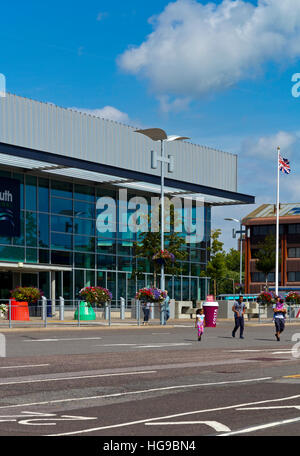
[[200, 322], [279, 317], [146, 310], [239, 310], [167, 309]]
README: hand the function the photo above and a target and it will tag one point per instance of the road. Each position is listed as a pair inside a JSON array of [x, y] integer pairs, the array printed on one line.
[[150, 381]]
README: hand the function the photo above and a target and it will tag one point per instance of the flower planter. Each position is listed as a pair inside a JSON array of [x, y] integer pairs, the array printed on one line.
[[86, 312], [19, 310]]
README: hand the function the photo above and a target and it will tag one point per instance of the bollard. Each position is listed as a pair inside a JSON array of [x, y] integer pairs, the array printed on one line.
[[9, 312], [138, 312], [109, 314], [106, 316], [152, 311], [122, 308], [162, 313], [44, 310], [61, 308], [78, 304]]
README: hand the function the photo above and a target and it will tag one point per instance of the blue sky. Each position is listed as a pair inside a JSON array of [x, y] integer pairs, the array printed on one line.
[[219, 73]]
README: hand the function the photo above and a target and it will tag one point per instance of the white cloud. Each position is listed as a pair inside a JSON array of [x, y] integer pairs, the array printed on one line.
[[266, 146], [196, 49], [108, 112]]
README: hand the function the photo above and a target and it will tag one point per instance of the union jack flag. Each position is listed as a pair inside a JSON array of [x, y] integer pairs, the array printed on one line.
[[284, 165]]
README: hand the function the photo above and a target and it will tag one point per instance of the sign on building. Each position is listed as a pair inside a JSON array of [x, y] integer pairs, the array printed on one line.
[[9, 207]]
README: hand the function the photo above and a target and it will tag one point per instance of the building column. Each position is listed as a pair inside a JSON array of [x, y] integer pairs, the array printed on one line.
[[16, 279], [53, 291]]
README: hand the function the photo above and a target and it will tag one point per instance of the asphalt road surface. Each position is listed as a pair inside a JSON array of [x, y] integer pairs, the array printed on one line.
[[150, 381]]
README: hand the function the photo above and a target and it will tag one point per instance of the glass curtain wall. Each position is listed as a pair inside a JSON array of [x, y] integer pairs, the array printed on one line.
[[58, 227]]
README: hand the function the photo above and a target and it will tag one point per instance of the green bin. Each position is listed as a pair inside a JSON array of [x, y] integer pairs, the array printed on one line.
[[86, 312]]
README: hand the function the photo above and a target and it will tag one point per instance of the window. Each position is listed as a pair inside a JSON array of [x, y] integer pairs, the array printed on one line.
[[294, 276], [294, 228], [61, 224], [61, 206], [294, 252], [62, 189]]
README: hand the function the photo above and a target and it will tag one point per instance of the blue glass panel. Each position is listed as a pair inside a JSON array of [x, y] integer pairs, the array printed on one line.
[[31, 255], [84, 226], [61, 206], [44, 230], [61, 241], [84, 243], [82, 209], [31, 183], [62, 224], [64, 189], [85, 260], [84, 193], [106, 262], [31, 229], [125, 263], [43, 195], [61, 257], [8, 253]]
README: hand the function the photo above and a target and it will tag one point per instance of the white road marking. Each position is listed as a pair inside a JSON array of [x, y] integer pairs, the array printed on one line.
[[76, 378], [35, 418], [217, 409], [262, 426], [219, 427], [114, 345], [56, 340], [162, 345], [271, 408], [127, 393], [282, 352], [21, 367]]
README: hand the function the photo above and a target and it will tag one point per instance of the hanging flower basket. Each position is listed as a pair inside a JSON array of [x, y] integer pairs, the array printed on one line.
[[293, 297], [95, 295], [163, 257], [26, 294], [266, 297], [151, 295]]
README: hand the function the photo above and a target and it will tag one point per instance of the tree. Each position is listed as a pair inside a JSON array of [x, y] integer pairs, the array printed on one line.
[[216, 267], [150, 243], [266, 256], [223, 268]]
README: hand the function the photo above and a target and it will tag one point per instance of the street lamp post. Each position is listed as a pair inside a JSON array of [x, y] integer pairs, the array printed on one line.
[[240, 232], [157, 134]]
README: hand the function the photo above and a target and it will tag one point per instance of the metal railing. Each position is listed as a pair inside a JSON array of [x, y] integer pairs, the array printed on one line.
[[47, 312]]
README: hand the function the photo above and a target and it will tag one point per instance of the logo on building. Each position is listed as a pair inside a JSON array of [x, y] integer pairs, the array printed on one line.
[[9, 207]]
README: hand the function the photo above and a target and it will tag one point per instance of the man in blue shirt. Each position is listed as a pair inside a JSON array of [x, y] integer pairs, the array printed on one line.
[[239, 309]]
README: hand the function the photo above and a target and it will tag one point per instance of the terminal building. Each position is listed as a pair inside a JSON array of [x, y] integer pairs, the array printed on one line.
[[56, 163], [259, 224]]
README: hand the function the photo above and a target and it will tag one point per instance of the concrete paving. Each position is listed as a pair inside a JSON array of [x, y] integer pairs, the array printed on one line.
[[150, 381]]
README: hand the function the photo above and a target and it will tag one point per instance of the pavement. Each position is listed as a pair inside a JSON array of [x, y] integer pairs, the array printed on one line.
[[152, 381]]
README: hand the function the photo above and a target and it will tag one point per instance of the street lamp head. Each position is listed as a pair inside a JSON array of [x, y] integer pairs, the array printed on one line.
[[232, 220], [176, 138], [157, 134]]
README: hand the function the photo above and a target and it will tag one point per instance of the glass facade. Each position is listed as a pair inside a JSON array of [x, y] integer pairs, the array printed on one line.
[[59, 227]]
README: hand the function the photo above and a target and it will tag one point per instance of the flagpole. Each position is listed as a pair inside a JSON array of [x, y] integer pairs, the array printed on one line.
[[277, 226]]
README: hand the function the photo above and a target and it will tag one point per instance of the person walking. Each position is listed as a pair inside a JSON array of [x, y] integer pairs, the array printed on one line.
[[146, 310], [279, 317], [167, 309], [200, 322], [239, 310]]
